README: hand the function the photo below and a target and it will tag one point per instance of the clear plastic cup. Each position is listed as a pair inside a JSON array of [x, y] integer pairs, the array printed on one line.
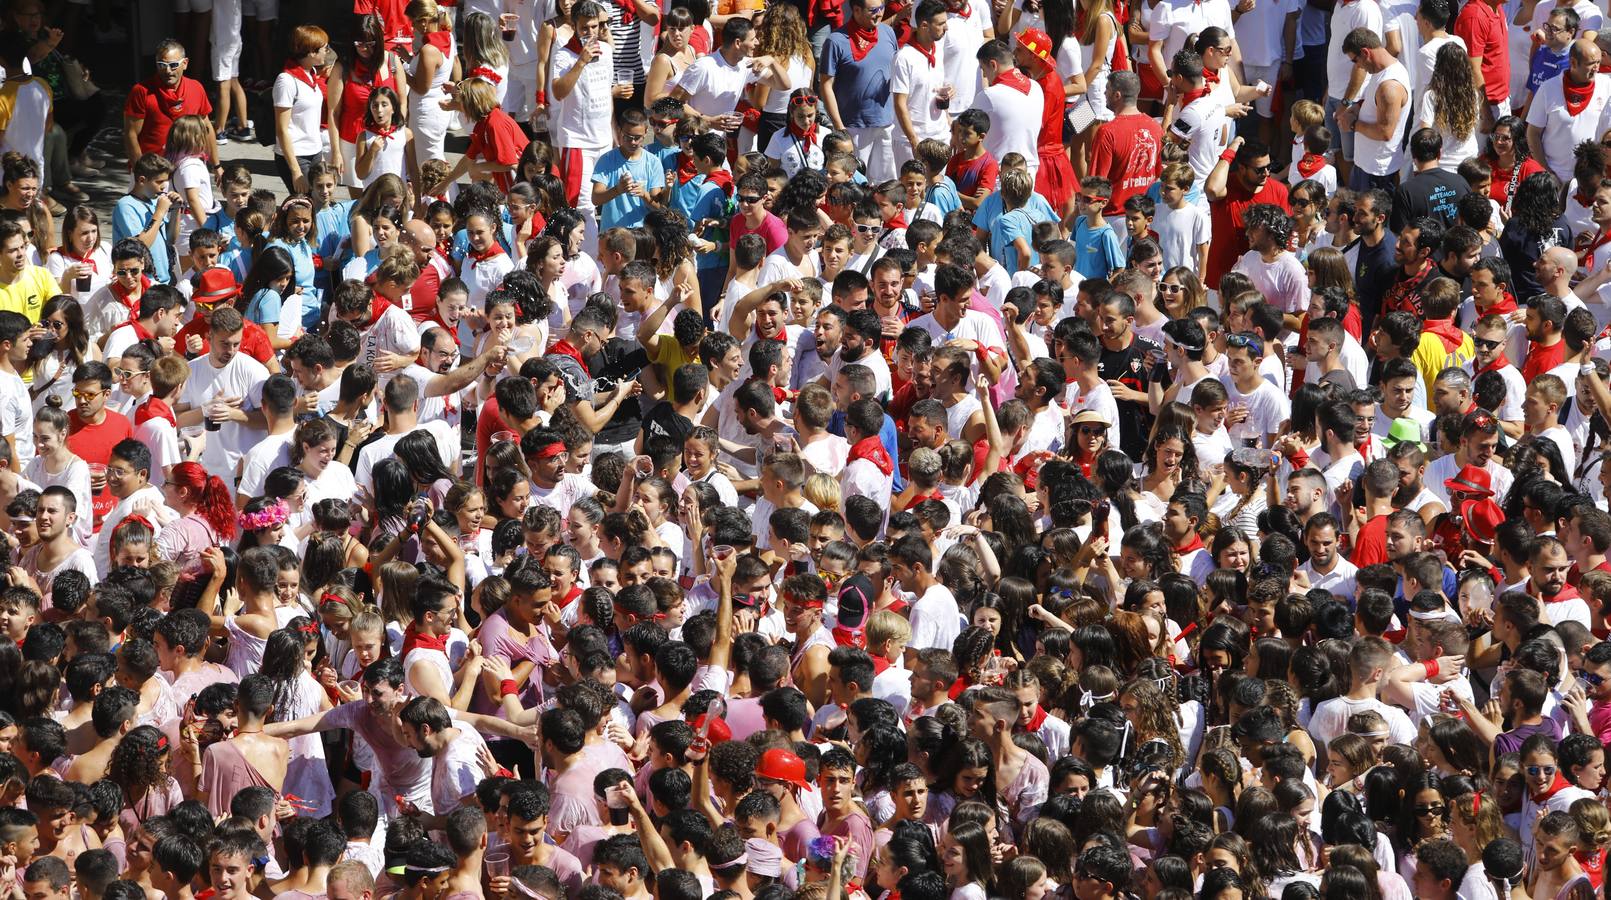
[[499, 437], [721, 551], [498, 864]]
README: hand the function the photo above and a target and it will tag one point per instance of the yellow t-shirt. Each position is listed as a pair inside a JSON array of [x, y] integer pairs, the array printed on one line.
[[27, 295], [668, 357], [1432, 357]]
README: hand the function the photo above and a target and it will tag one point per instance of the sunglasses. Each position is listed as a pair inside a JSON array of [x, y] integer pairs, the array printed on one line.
[[169, 66], [125, 374], [1260, 170], [128, 273], [1481, 344], [1092, 430], [1244, 341], [868, 229], [1301, 201], [1430, 809], [803, 100], [87, 395], [748, 198], [1591, 679], [1540, 771], [1172, 288]]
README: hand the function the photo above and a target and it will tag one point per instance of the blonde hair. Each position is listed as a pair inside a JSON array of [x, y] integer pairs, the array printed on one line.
[[1016, 186], [823, 491], [887, 625], [1549, 388], [1308, 114], [397, 265], [783, 34], [367, 620], [189, 136], [1180, 175], [477, 97], [1593, 820], [339, 601]]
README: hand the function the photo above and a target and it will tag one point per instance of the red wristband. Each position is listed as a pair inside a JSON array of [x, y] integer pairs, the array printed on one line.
[[1228, 156], [508, 687], [1431, 668]]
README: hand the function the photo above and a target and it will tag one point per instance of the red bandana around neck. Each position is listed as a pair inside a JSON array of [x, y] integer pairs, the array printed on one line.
[[1446, 331], [1499, 362], [566, 348], [896, 221], [311, 79], [686, 170], [872, 449], [928, 52], [806, 135], [123, 295], [1310, 164], [412, 639], [1196, 543], [1034, 722], [862, 41], [86, 260], [493, 252], [155, 409], [1577, 97], [1555, 787], [722, 179], [377, 308], [1210, 77], [1193, 96], [1014, 79]]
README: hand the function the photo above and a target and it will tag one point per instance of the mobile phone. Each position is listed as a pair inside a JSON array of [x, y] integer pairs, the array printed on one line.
[[1099, 518]]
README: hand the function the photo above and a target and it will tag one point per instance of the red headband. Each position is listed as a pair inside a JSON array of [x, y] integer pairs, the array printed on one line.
[[162, 742], [310, 628], [550, 451], [799, 601], [331, 600]]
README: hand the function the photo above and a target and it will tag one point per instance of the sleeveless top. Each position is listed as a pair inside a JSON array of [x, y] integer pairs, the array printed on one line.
[[360, 83], [442, 41]]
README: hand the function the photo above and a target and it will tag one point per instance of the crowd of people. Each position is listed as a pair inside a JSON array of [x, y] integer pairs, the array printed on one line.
[[838, 450]]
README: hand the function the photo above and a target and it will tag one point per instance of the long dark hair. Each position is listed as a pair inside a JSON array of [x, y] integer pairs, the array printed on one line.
[[1537, 204], [268, 266], [419, 453], [284, 661]]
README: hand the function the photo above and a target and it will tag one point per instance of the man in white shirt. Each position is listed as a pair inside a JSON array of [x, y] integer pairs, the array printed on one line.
[[274, 450], [1569, 109], [581, 96], [861, 345], [1368, 661], [454, 753], [936, 620], [384, 328], [1326, 568], [952, 322], [869, 470], [1346, 17], [1014, 103], [224, 387], [400, 407], [922, 97]]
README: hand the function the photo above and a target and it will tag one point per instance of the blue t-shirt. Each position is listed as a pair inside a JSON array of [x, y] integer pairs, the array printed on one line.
[[625, 210], [265, 307], [1546, 64], [1008, 228], [334, 225], [130, 217], [1096, 251], [861, 86], [666, 153], [944, 196], [699, 199], [302, 256], [984, 218]]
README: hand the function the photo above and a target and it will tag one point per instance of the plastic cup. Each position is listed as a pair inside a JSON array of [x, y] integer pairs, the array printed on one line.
[[97, 477], [350, 687], [721, 551], [498, 864], [521, 343], [499, 437]]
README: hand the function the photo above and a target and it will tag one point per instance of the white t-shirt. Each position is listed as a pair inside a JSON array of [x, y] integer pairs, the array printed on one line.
[[163, 439], [582, 119], [394, 332], [1345, 18], [917, 78], [242, 377], [958, 53], [1207, 133], [1267, 409], [192, 174], [1562, 130], [447, 446], [936, 620], [1015, 120], [25, 133], [17, 416], [306, 104], [270, 453], [714, 85], [1180, 232]]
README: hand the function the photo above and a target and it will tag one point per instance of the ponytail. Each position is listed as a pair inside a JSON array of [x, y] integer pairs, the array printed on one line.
[[213, 500]]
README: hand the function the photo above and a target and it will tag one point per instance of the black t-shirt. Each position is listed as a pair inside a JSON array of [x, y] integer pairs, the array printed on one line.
[[665, 421], [1374, 273], [1137, 367], [1431, 193], [1522, 247], [620, 360]]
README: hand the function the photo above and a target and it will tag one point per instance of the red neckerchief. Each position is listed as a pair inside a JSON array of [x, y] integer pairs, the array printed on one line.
[[377, 308], [155, 409], [957, 687], [122, 293], [1035, 721], [566, 348], [312, 80], [171, 99], [412, 639], [872, 449], [88, 260], [686, 171], [932, 495], [781, 396], [1567, 592], [851, 637], [1585, 254], [1554, 788], [1014, 79], [880, 665], [570, 598], [1446, 331], [629, 13], [1310, 164], [140, 332], [383, 132], [1577, 97], [1364, 447], [487, 75], [1196, 543], [1499, 362], [782, 336], [807, 135], [1210, 77], [492, 252], [1192, 96], [928, 52], [442, 41], [862, 41], [574, 45], [896, 221], [722, 179], [1505, 306]]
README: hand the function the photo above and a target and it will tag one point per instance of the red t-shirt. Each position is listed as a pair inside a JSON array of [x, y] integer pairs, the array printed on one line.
[[93, 444], [158, 107], [254, 340], [1230, 231], [1499, 184], [1126, 153], [1370, 545], [497, 139], [972, 174], [1540, 359], [1486, 35], [1051, 117], [488, 423]]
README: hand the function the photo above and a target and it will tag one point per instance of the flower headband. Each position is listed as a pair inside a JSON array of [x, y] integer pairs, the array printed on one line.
[[268, 517]]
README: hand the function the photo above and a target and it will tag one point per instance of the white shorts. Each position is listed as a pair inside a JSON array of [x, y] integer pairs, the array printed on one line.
[[226, 49], [1265, 105], [430, 124], [349, 165], [520, 93], [192, 6], [261, 10], [876, 149]]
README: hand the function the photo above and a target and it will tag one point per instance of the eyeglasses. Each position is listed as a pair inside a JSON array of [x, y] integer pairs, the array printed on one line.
[[868, 229], [129, 273], [748, 199], [1301, 201], [114, 472], [1430, 809], [55, 325], [1540, 771], [1481, 344], [1172, 288], [629, 138], [803, 100]]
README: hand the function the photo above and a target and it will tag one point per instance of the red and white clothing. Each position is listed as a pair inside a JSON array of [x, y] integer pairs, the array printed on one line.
[[580, 123], [1568, 116], [1015, 104], [918, 74]]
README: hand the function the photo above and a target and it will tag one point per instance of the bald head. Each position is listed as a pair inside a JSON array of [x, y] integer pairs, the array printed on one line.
[[419, 236], [1585, 60], [1561, 256]]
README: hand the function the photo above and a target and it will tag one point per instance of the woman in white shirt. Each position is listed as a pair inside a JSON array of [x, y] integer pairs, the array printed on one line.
[[428, 73], [1451, 104], [782, 37], [80, 264], [300, 109], [484, 56]]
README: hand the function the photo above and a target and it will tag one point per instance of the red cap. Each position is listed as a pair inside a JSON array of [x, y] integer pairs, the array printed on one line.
[[783, 765], [215, 286], [1472, 480], [1038, 43], [1482, 518]]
